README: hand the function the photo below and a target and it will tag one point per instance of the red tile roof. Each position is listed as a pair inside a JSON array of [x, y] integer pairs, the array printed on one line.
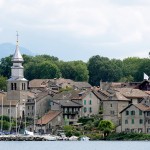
[[48, 117]]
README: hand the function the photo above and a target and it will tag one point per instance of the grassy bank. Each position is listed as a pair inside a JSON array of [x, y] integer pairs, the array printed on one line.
[[128, 136]]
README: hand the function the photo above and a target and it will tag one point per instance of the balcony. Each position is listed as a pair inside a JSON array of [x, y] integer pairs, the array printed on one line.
[[70, 112]]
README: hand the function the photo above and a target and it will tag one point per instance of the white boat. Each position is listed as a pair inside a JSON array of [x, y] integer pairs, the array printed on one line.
[[84, 138], [26, 132], [73, 138], [49, 137]]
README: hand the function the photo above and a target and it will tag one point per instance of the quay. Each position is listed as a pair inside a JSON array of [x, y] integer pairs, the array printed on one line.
[[21, 138]]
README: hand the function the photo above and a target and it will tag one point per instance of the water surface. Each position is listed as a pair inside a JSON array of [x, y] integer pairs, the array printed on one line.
[[75, 145]]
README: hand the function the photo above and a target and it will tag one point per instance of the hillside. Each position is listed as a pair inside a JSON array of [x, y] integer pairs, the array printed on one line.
[[7, 49]]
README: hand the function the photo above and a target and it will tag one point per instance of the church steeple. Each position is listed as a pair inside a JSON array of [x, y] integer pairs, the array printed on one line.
[[17, 84], [17, 55]]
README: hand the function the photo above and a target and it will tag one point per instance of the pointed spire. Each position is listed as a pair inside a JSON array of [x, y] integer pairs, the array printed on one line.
[[17, 57]]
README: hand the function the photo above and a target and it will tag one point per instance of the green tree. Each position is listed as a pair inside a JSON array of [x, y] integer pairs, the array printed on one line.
[[41, 70], [75, 70], [5, 66], [101, 68], [3, 83], [131, 67], [106, 126], [144, 67]]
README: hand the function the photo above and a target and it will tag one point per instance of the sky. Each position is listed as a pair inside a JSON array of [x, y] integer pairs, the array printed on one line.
[[78, 29]]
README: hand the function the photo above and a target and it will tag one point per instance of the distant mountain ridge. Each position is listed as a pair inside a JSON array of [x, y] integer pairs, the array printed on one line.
[[7, 49]]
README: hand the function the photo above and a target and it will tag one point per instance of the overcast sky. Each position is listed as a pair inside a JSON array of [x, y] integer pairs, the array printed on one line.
[[78, 29]]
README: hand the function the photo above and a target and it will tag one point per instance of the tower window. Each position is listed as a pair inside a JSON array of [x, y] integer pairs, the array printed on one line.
[[13, 86], [23, 86]]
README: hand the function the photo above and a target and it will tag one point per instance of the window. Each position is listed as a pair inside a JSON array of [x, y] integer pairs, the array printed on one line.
[[148, 130], [15, 86], [141, 121], [90, 102], [132, 121], [28, 107], [85, 109], [84, 102], [126, 121], [90, 109], [8, 111], [140, 112], [148, 121], [32, 107], [12, 86], [112, 112], [127, 113], [140, 130], [90, 95], [110, 105], [148, 113], [132, 112]]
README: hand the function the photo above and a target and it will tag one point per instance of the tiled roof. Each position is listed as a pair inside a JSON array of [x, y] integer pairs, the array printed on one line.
[[131, 93], [41, 95], [69, 103], [119, 96], [81, 85], [72, 94], [38, 83], [48, 117], [5, 101], [142, 107], [147, 92]]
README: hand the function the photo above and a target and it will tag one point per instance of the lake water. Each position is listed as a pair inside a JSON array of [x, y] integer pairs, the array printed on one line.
[[75, 145]]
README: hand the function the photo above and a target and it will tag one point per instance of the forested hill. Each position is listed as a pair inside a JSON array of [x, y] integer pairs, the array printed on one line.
[[97, 68]]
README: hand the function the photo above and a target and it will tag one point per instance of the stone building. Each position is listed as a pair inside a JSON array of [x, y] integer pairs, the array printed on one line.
[[136, 118]]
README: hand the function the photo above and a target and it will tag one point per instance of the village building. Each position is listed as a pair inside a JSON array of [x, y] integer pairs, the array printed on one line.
[[136, 118], [49, 123], [86, 102]]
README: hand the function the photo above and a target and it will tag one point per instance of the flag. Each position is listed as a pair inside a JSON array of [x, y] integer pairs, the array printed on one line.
[[146, 77]]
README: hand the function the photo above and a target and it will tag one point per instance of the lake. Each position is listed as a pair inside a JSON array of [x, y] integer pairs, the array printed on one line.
[[75, 145]]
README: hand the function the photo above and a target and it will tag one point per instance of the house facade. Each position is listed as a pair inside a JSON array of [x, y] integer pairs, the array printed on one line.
[[136, 118]]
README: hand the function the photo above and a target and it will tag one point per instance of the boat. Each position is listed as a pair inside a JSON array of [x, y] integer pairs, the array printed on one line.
[[26, 132], [49, 137], [73, 138], [84, 138]]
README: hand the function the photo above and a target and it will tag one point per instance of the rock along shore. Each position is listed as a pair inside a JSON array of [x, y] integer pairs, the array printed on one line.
[[21, 138]]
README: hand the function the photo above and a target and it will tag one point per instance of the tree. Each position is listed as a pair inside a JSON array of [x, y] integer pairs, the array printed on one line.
[[131, 67], [106, 126], [41, 70], [101, 68], [144, 67], [5, 66], [3, 83], [75, 70]]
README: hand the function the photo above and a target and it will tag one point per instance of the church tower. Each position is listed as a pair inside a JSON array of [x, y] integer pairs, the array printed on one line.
[[17, 84]]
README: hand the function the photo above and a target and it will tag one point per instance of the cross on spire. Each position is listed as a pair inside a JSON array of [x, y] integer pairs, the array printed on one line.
[[17, 37]]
